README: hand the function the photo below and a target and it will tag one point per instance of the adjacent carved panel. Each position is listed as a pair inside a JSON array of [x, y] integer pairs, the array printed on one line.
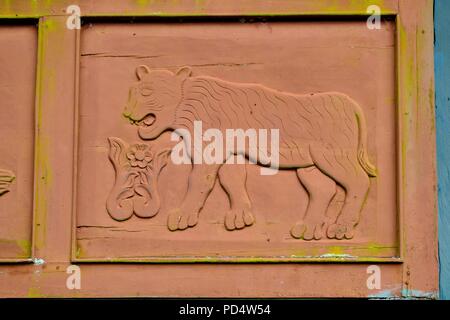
[[17, 87], [332, 189], [6, 178]]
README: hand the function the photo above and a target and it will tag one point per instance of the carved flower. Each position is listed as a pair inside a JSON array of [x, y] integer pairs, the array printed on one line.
[[139, 155]]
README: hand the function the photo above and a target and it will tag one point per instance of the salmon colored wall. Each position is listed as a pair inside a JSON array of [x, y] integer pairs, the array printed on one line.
[[82, 79]]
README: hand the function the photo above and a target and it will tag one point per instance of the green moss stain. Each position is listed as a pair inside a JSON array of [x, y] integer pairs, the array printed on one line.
[[351, 7], [418, 294], [80, 252], [6, 6], [406, 92], [431, 104], [41, 203], [25, 246], [34, 5], [42, 167], [51, 35], [34, 292], [49, 25], [200, 4], [336, 250], [367, 3], [19, 249], [29, 9], [375, 249]]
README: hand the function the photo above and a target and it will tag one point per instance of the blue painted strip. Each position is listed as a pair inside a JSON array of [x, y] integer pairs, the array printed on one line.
[[442, 74]]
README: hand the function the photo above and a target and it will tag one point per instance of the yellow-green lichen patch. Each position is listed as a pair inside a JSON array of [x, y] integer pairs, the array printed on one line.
[[336, 250], [143, 2], [34, 292], [25, 246]]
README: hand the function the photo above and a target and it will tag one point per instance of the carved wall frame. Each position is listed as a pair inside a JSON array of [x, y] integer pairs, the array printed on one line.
[[54, 211]]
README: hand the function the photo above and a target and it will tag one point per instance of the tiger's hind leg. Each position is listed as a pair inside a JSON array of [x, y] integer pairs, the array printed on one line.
[[344, 168], [233, 178], [321, 190]]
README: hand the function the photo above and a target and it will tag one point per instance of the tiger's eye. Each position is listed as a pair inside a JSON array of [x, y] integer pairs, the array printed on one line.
[[146, 91]]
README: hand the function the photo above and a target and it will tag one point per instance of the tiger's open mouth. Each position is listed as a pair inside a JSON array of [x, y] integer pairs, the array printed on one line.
[[145, 122]]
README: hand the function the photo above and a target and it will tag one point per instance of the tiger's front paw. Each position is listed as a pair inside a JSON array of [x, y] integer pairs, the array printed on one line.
[[341, 230], [181, 220], [238, 219]]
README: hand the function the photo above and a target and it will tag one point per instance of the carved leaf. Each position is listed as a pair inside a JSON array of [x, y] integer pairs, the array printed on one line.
[[161, 159], [116, 149]]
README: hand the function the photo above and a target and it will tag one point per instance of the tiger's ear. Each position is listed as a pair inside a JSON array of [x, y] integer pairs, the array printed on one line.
[[141, 71], [184, 72]]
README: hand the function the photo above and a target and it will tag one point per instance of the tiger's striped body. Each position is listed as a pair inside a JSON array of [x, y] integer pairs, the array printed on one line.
[[323, 120]]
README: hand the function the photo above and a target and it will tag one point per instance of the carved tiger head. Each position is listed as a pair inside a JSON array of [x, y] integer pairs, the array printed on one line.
[[153, 100]]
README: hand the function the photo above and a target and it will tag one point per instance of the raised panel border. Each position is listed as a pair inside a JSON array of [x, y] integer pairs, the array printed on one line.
[[418, 271]]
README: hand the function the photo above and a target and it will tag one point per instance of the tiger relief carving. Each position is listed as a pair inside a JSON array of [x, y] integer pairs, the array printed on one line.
[[323, 139]]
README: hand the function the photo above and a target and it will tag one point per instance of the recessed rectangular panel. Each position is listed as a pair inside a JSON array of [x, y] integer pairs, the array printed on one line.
[[320, 96], [17, 91]]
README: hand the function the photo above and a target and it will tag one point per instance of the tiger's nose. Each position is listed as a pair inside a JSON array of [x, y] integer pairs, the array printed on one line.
[[126, 112]]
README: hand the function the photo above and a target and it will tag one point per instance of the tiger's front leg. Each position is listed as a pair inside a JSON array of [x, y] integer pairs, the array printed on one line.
[[233, 179], [201, 182]]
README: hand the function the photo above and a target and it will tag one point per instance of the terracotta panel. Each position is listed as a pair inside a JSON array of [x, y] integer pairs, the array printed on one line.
[[343, 64], [94, 132], [17, 91]]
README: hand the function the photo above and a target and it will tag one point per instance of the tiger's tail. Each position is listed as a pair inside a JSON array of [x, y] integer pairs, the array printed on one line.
[[362, 149]]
